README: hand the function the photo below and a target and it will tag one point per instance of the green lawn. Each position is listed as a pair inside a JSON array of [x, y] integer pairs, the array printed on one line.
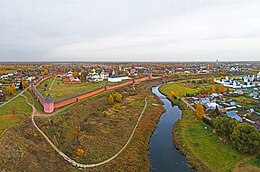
[[62, 91], [206, 144], [179, 90], [13, 112]]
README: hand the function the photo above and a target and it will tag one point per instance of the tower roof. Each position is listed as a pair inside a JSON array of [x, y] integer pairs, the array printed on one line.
[[48, 98]]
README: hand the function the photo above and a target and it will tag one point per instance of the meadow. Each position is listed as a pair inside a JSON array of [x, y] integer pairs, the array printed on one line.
[[13, 113]]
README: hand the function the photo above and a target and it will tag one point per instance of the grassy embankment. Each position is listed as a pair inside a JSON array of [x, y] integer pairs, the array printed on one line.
[[102, 132], [199, 142], [13, 113]]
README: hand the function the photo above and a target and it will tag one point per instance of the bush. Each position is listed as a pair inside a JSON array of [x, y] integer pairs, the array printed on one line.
[[245, 138], [207, 121]]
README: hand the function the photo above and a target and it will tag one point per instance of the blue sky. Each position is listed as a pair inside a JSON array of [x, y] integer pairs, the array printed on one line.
[[122, 30]]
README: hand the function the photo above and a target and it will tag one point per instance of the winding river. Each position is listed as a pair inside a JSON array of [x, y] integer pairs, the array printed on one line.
[[164, 156]]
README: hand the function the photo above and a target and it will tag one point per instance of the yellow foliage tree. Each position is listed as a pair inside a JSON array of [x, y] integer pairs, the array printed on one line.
[[214, 89], [221, 88], [10, 90], [111, 99], [173, 95], [75, 74], [118, 97], [25, 83], [117, 106], [80, 152], [200, 111], [140, 75]]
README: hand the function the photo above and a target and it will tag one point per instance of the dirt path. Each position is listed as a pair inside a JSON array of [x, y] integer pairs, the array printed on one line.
[[14, 97], [52, 82], [236, 165], [73, 162]]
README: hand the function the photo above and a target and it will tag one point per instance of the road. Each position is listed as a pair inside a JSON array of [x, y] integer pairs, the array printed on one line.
[[188, 105], [14, 97], [73, 162]]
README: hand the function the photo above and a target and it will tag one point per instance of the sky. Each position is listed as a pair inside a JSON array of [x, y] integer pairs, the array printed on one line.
[[124, 30]]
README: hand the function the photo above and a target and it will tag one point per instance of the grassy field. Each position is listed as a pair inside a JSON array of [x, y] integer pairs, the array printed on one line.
[[13, 113], [62, 91], [97, 124], [200, 143], [179, 90]]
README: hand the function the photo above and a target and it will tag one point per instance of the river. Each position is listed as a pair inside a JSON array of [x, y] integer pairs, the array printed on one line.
[[163, 155]]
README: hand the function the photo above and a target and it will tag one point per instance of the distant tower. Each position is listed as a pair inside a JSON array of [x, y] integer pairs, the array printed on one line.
[[132, 70], [216, 67]]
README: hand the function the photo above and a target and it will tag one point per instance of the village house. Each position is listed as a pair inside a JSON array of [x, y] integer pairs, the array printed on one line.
[[234, 115], [117, 78]]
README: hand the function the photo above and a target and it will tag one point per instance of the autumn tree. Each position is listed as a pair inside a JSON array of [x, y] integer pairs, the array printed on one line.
[[199, 111], [221, 88], [80, 152], [117, 106], [82, 77], [111, 99], [173, 95], [10, 90], [25, 83], [118, 97], [75, 74], [214, 89], [140, 75]]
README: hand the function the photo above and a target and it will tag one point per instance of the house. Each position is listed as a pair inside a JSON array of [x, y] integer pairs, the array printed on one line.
[[104, 75], [253, 94], [234, 115], [251, 110], [117, 78], [212, 105], [240, 92], [232, 104], [204, 101], [256, 125]]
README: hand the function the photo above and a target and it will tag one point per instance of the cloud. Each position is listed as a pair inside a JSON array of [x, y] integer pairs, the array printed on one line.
[[130, 30]]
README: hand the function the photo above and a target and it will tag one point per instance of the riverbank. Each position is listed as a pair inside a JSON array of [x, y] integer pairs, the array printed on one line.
[[198, 141], [163, 154]]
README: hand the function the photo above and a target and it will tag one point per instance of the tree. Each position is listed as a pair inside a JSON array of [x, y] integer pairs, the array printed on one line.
[[25, 83], [21, 86], [80, 152], [140, 75], [117, 106], [221, 88], [225, 125], [82, 77], [75, 74], [10, 90], [173, 95], [214, 89], [200, 111], [245, 138], [118, 97], [45, 72], [111, 99]]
